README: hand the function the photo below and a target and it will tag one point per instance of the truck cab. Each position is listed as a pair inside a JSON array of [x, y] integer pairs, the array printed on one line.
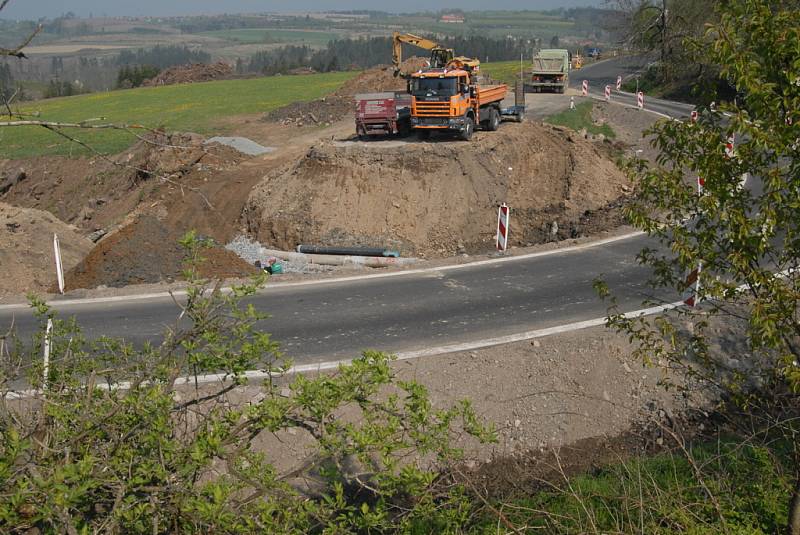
[[449, 100]]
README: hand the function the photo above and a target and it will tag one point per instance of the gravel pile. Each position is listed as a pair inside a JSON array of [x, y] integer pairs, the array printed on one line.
[[250, 251]]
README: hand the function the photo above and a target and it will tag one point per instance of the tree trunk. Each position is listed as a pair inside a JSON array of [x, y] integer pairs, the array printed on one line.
[[793, 527]]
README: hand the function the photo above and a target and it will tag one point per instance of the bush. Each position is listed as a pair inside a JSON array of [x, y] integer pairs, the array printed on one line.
[[117, 439]]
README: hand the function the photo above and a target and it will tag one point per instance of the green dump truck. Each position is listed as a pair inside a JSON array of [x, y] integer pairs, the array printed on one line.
[[550, 71]]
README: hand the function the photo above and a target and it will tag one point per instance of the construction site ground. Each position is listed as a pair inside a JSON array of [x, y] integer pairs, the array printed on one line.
[[433, 200]]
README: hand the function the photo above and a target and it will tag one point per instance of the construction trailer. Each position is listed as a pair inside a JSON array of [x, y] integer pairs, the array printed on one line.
[[380, 114]]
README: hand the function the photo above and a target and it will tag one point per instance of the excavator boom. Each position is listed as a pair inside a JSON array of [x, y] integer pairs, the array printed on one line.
[[440, 56]]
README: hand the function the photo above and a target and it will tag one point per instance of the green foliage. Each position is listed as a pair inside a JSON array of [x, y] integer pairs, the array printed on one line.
[[135, 76], [744, 227], [123, 439], [581, 118], [729, 487], [162, 57], [196, 107], [62, 88]]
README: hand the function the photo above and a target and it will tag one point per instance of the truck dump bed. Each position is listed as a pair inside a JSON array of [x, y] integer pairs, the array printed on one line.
[[491, 93], [548, 65]]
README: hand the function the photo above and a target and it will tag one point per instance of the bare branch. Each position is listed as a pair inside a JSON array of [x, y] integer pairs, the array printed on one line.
[[17, 51]]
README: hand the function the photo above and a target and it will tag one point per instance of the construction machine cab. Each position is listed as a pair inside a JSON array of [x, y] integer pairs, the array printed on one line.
[[441, 57]]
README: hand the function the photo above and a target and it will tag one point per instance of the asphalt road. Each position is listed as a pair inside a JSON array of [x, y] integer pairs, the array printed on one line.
[[605, 73], [320, 322]]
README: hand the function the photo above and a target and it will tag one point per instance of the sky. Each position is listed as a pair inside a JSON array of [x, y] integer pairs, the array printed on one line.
[[34, 9]]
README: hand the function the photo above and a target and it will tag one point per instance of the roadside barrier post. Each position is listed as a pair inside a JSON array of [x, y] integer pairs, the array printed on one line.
[[619, 83], [640, 100], [59, 266], [694, 116], [572, 103], [585, 88], [730, 152], [693, 287], [503, 217], [608, 93], [48, 334]]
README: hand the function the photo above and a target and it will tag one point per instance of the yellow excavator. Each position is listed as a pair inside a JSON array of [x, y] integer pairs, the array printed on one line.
[[440, 57]]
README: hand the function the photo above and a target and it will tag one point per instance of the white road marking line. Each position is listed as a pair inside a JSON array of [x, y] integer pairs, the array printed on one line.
[[401, 356], [281, 285]]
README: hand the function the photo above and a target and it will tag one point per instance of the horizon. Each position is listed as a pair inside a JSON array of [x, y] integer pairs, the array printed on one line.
[[22, 10]]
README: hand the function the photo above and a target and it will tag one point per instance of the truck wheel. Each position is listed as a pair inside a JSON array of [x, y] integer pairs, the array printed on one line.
[[494, 120], [423, 135], [469, 128], [520, 116]]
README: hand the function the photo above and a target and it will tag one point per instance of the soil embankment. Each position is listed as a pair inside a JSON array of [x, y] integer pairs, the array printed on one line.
[[436, 199], [27, 258]]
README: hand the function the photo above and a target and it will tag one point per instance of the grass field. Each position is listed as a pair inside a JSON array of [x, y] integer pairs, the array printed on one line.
[[272, 35], [191, 107], [505, 71], [663, 495], [580, 118]]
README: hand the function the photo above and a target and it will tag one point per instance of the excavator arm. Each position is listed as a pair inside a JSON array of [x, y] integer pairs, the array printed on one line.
[[439, 56]]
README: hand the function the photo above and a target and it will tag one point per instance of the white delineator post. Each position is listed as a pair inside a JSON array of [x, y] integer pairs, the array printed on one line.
[[572, 103], [48, 334], [640, 100], [608, 93], [503, 218], [693, 286], [59, 265], [585, 88], [619, 83]]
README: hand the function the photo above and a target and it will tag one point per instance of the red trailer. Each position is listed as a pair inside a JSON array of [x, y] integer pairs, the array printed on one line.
[[383, 114]]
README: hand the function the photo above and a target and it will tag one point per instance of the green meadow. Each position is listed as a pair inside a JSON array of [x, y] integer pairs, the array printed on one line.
[[188, 107]]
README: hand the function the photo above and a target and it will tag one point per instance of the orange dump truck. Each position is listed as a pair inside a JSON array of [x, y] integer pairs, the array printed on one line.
[[449, 99]]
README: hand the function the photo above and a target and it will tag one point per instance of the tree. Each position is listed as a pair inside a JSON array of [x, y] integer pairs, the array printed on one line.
[[554, 42], [745, 236], [661, 27]]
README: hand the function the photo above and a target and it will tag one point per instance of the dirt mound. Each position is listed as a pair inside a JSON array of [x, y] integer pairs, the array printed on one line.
[[195, 72], [339, 105], [381, 78], [147, 251], [26, 249], [438, 198], [319, 112], [95, 194]]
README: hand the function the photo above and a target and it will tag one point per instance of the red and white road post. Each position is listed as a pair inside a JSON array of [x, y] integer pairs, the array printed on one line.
[[730, 144], [585, 88], [608, 93], [693, 286], [619, 83], [640, 100], [503, 218], [694, 116]]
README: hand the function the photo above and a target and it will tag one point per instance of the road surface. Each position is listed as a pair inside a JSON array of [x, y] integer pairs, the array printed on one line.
[[605, 73]]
